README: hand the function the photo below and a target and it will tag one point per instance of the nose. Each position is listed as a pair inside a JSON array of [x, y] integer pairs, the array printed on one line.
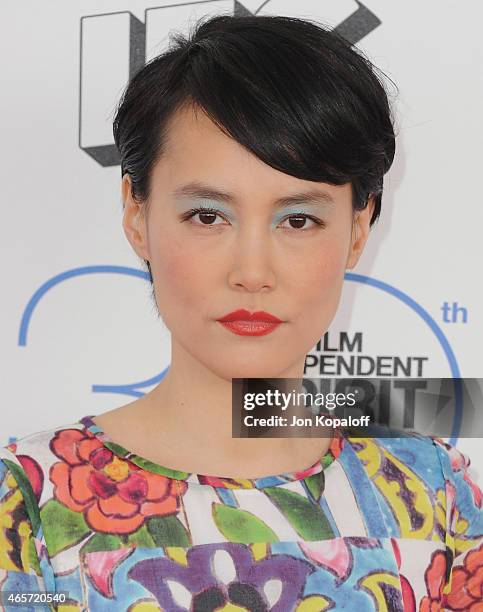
[[252, 264]]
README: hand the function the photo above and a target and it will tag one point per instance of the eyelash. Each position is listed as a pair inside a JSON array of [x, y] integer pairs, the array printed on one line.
[[194, 211]]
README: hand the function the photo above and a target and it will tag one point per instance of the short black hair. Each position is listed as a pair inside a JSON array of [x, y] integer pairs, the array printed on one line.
[[293, 92]]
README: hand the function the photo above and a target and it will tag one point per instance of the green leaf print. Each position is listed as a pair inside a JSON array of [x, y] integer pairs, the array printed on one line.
[[33, 557], [315, 484], [63, 526], [158, 469], [241, 526], [117, 449], [27, 493], [168, 531], [141, 538], [308, 519], [101, 541]]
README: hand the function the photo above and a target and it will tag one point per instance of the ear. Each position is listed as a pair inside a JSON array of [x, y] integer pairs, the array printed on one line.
[[360, 232], [134, 219]]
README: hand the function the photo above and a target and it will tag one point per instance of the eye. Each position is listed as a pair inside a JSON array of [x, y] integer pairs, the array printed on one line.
[[299, 222], [207, 216]]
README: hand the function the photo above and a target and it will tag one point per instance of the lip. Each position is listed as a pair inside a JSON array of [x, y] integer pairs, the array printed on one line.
[[246, 315], [245, 323]]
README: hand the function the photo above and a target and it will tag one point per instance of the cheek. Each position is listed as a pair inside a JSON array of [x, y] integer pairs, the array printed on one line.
[[322, 272], [319, 285], [182, 277]]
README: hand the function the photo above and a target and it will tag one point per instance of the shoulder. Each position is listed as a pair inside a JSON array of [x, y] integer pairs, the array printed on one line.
[[405, 453], [415, 472], [29, 459], [24, 471], [430, 458]]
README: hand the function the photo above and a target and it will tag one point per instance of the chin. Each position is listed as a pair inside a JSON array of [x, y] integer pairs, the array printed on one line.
[[252, 370]]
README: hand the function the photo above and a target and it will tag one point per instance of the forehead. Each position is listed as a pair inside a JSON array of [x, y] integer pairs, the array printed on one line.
[[196, 149], [194, 139]]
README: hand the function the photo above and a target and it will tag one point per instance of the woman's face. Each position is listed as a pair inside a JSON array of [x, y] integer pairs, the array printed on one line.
[[256, 253]]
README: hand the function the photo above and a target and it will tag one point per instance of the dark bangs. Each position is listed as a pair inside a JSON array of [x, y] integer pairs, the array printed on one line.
[[295, 94]]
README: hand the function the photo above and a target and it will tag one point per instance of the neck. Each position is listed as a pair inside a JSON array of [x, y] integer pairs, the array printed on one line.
[[192, 407]]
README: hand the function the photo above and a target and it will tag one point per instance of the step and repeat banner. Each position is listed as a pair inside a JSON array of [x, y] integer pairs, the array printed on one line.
[[79, 330]]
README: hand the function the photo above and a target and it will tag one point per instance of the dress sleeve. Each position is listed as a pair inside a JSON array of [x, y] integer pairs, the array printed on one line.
[[24, 563], [464, 531]]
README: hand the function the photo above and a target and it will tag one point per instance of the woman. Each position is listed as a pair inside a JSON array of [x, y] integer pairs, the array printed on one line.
[[252, 160]]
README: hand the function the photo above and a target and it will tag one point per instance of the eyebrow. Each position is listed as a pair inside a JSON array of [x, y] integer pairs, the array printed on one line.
[[196, 189]]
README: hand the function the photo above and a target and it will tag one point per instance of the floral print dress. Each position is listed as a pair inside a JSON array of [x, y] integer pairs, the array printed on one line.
[[386, 524]]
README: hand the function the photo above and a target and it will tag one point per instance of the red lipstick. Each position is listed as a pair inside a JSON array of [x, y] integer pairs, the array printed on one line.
[[245, 323]]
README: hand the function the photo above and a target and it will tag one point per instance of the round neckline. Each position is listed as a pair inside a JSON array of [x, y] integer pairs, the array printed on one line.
[[317, 468]]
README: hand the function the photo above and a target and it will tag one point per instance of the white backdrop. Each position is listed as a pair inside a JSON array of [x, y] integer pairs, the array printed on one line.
[[79, 334]]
